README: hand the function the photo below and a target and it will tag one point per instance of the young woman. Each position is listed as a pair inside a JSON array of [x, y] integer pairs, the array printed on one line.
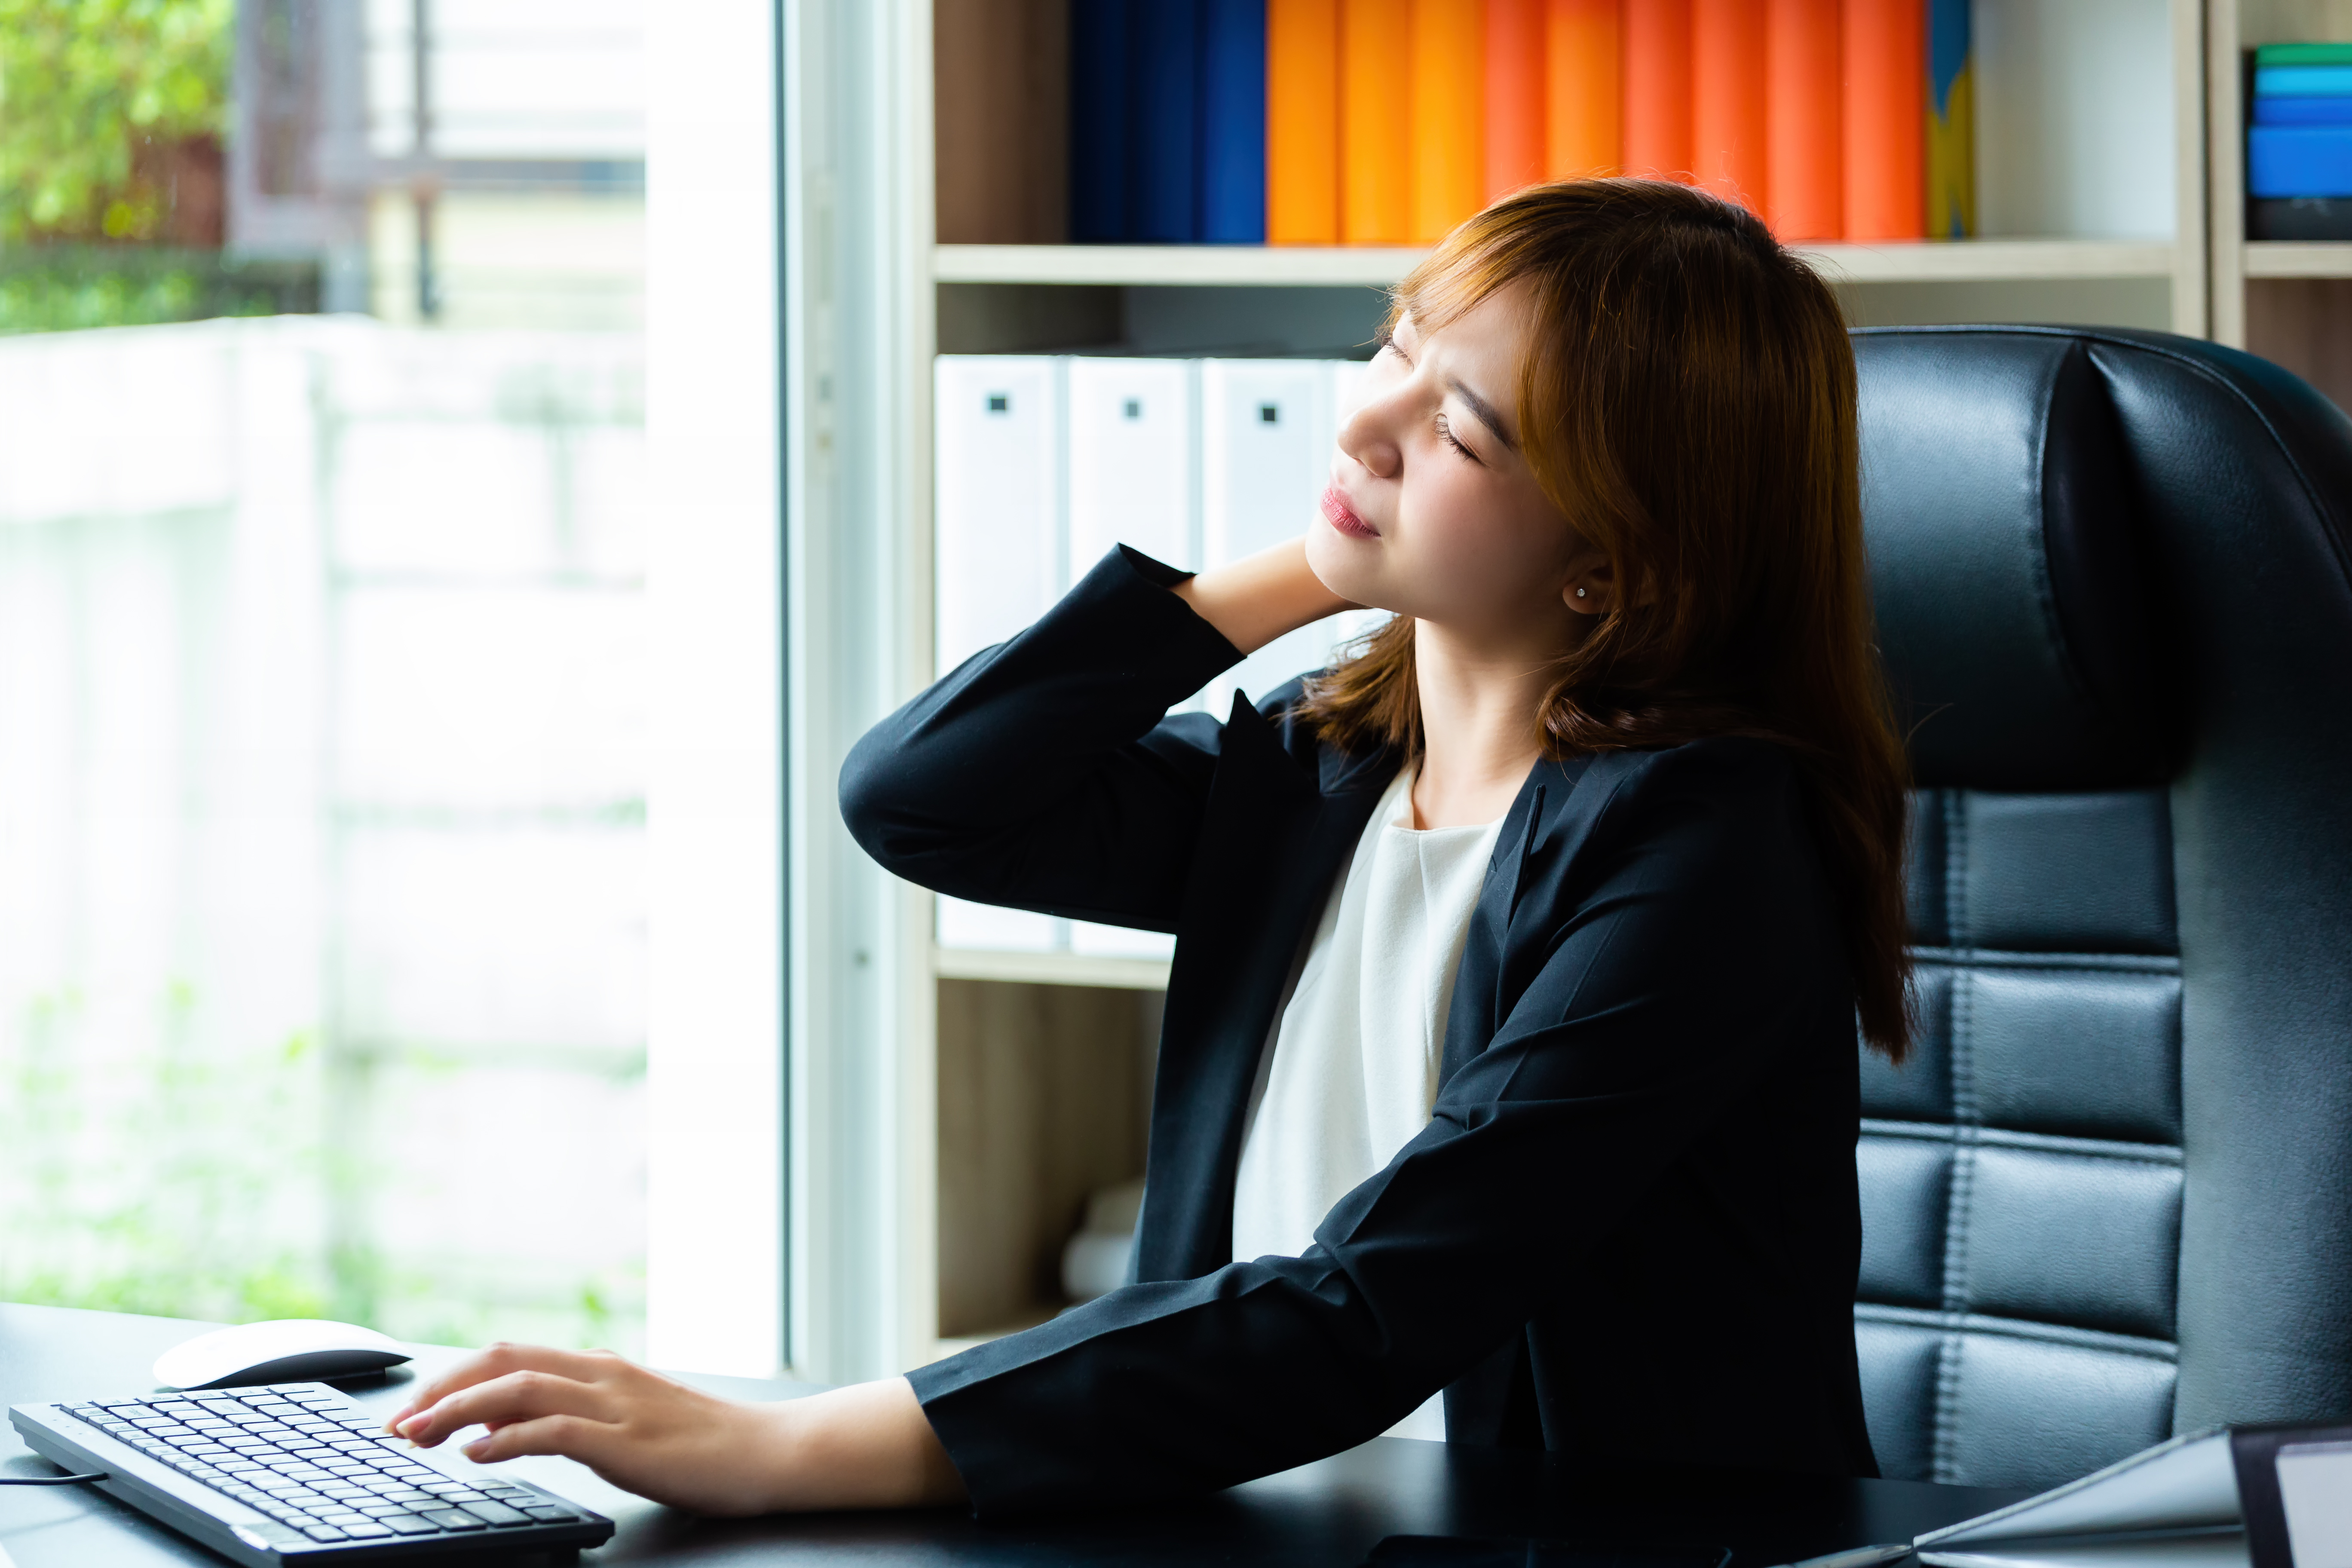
[[1510, 1046]]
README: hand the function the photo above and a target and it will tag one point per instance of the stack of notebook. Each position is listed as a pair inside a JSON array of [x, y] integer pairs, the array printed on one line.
[[1388, 122], [2299, 145]]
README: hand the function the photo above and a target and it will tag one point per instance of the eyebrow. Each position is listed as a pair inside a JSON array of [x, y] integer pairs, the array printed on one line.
[[1485, 410]]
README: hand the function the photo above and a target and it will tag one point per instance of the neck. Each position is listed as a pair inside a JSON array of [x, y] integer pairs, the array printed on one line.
[[1479, 708]]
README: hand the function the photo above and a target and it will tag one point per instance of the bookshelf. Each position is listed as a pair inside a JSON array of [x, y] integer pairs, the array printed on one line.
[[1031, 1070], [2288, 301], [1377, 267]]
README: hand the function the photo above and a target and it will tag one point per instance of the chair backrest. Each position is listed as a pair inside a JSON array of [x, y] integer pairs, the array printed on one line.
[[2111, 1197]]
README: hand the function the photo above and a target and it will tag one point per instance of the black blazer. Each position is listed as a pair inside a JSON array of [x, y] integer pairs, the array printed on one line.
[[1630, 1229]]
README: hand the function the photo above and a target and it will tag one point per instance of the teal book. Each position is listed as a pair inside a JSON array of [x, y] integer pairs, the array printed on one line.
[[1951, 122]]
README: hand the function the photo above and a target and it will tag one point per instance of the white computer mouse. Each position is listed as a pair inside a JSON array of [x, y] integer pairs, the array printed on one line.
[[288, 1350]]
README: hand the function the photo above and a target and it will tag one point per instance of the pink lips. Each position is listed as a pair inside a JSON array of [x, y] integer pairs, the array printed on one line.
[[1337, 513]]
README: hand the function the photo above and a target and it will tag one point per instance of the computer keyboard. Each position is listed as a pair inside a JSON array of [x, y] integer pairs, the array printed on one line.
[[293, 1472]]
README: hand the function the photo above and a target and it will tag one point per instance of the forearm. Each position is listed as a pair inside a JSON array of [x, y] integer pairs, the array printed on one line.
[[865, 1446], [1261, 596]]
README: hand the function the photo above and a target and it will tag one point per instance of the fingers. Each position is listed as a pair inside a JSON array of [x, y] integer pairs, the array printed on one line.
[[516, 1397], [574, 1437], [499, 1361]]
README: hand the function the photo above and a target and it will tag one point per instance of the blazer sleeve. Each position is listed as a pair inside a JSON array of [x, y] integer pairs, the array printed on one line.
[[1691, 960], [1043, 773]]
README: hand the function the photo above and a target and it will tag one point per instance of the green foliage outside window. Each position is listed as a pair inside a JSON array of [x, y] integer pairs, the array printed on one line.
[[85, 87], [62, 288]]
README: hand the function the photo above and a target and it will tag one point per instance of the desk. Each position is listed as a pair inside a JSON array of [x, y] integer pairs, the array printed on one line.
[[1330, 1512]]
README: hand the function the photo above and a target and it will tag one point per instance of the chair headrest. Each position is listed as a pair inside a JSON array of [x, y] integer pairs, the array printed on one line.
[[2015, 614]]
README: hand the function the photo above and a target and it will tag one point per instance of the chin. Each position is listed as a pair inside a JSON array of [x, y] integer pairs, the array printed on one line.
[[1349, 567]]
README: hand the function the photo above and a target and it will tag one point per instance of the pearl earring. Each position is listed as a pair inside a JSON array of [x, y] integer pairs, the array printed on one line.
[[1580, 593]]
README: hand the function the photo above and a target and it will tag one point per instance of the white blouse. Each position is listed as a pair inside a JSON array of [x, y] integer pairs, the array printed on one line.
[[1350, 1071]]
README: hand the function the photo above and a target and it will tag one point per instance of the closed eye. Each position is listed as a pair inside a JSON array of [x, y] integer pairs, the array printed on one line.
[[1445, 430]]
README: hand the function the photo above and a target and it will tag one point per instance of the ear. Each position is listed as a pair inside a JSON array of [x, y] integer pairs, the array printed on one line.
[[1592, 585]]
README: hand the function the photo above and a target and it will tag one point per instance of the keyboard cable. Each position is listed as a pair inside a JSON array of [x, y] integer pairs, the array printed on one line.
[[50, 1480]]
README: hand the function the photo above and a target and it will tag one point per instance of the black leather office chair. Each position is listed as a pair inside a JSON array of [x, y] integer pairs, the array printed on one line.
[[2111, 1199]]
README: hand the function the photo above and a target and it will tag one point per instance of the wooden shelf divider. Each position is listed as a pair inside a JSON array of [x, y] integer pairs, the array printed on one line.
[[1377, 267], [1051, 969]]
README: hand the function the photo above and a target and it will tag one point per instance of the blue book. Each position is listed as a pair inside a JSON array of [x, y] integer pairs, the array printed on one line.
[[2299, 160], [1164, 58], [1233, 122], [2303, 81], [2303, 110], [1099, 38]]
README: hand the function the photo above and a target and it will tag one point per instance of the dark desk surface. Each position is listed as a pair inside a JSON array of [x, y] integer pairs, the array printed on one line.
[[1330, 1512]]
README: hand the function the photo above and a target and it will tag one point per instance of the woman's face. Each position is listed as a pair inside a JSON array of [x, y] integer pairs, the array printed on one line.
[[1433, 512]]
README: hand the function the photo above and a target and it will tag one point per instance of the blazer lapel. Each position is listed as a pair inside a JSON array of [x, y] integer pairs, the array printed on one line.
[[1274, 832], [1483, 979]]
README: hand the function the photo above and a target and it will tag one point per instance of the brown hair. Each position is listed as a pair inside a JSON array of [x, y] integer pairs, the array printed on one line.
[[1688, 401]]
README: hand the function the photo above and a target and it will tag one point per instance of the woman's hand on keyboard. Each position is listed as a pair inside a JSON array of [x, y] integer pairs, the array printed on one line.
[[865, 1446]]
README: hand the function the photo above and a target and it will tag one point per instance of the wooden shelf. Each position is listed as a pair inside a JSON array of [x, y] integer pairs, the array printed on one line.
[[2298, 258], [1993, 260], [1051, 969], [1370, 266], [1242, 266]]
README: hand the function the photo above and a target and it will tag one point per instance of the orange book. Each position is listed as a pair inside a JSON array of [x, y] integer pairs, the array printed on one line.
[[1658, 89], [1302, 122], [1375, 122], [1886, 119], [1448, 60], [1584, 102], [1728, 100], [1804, 163], [1515, 95]]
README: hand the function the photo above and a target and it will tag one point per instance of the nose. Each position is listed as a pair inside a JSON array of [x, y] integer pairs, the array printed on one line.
[[1365, 437]]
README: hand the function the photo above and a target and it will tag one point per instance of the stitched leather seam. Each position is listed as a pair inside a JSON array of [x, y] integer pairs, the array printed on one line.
[[1956, 868], [1955, 1324], [1946, 1461], [2035, 1143], [2002, 958]]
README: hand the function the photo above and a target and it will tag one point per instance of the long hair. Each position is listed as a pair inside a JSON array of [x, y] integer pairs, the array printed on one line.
[[1688, 401]]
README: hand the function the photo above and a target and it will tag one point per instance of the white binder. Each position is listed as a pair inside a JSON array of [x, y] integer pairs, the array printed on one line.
[[1267, 431], [1134, 461], [997, 478], [1265, 455], [997, 474]]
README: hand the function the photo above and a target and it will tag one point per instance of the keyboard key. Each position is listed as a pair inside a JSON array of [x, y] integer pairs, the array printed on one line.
[[366, 1530], [497, 1514], [453, 1519], [408, 1524], [549, 1512], [323, 1532]]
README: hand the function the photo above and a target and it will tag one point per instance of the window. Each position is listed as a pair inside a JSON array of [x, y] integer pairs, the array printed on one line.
[[323, 707]]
